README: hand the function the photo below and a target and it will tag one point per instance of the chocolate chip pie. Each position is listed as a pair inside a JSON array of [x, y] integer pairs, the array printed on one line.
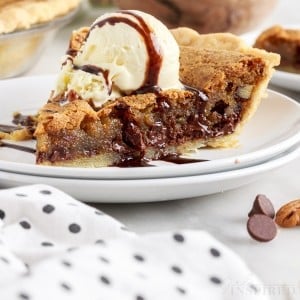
[[218, 92]]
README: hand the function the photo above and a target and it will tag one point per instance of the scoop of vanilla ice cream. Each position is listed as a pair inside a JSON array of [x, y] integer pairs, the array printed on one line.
[[123, 52]]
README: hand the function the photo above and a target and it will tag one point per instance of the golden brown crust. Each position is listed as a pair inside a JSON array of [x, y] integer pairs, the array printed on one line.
[[22, 14], [207, 69], [220, 41], [53, 117], [21, 134], [191, 38]]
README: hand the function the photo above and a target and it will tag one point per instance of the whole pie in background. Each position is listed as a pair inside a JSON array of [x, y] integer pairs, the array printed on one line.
[[26, 28], [23, 14]]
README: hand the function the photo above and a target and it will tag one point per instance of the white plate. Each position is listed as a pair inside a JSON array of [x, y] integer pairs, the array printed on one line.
[[146, 190], [280, 78], [149, 190], [274, 128]]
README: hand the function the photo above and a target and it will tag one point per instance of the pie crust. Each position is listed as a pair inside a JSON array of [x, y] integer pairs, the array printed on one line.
[[23, 14]]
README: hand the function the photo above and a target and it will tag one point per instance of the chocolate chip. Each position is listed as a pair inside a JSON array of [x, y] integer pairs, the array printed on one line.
[[262, 205], [261, 228]]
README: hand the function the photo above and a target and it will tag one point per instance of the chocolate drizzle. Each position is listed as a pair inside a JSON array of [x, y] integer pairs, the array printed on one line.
[[8, 128], [21, 122], [179, 160], [94, 70], [17, 147], [24, 121], [72, 52], [148, 89], [153, 48], [172, 158]]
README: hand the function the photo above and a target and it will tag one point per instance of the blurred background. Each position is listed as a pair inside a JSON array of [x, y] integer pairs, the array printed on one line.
[[49, 42], [279, 11]]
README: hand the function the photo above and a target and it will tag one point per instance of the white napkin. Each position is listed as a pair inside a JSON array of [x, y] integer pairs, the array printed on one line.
[[54, 247]]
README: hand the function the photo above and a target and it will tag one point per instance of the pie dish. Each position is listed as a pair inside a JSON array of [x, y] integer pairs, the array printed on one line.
[[26, 28], [223, 90], [23, 14]]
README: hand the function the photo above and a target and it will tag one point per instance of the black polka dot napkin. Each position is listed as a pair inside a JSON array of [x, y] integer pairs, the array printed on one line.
[[54, 247]]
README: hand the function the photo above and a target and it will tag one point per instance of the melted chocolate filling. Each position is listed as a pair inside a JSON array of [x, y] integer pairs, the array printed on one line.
[[130, 132]]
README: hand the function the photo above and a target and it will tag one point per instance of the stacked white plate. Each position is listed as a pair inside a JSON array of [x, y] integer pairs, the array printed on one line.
[[270, 140]]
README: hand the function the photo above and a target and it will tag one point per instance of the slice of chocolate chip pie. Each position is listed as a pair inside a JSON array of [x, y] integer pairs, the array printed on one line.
[[102, 115]]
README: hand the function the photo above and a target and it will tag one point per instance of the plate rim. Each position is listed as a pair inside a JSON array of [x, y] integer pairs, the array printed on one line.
[[156, 183]]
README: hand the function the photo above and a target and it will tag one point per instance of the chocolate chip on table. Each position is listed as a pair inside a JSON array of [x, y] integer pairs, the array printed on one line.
[[262, 205], [261, 228]]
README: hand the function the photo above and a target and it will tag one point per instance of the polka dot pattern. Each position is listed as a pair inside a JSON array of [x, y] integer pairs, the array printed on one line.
[[104, 280], [2, 214], [74, 228], [100, 242], [215, 252], [24, 296], [139, 257], [47, 244], [215, 280], [181, 290], [65, 286], [176, 269], [25, 224], [76, 250], [104, 260], [45, 192], [66, 263], [178, 237], [4, 260], [253, 288], [48, 209], [21, 195]]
